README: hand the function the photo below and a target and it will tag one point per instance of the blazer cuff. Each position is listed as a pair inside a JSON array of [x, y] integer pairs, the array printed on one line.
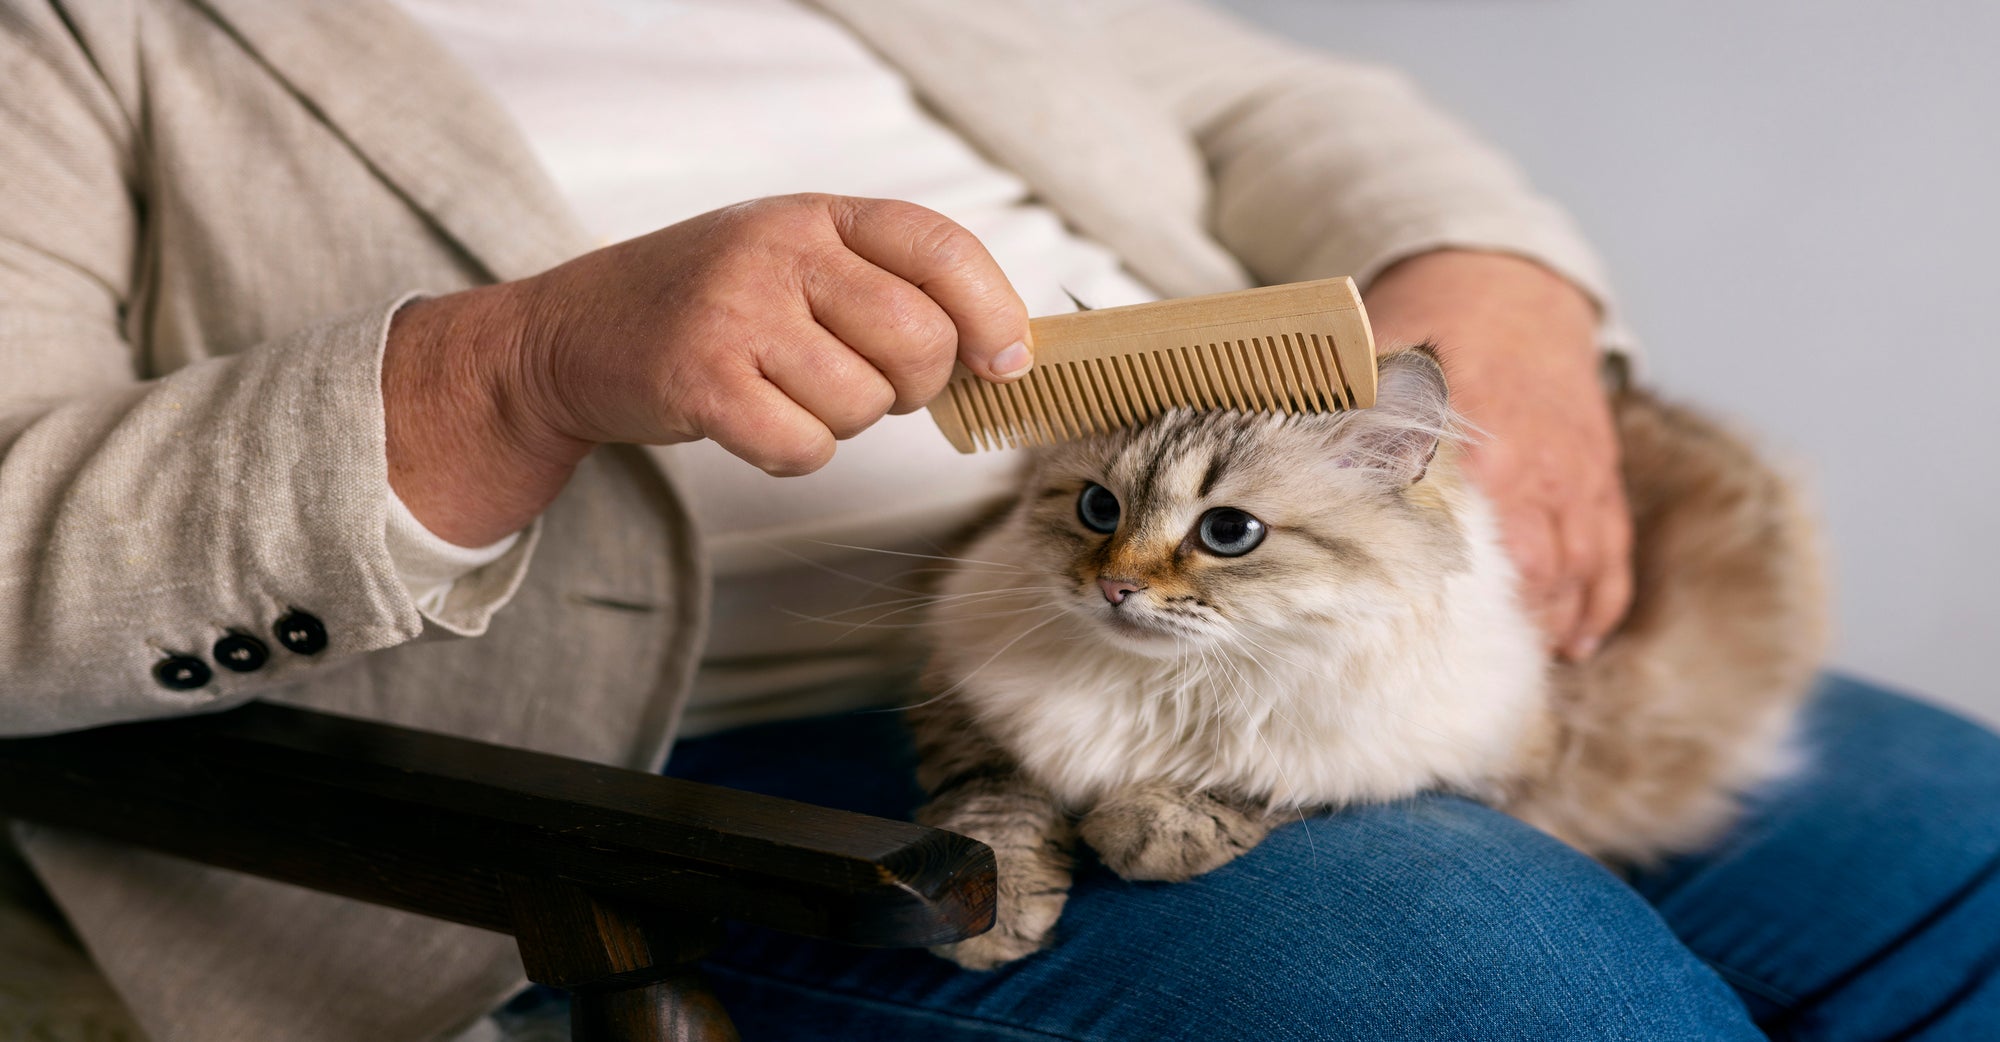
[[193, 541]]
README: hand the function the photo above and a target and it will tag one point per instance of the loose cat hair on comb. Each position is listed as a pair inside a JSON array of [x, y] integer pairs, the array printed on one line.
[[1299, 348]]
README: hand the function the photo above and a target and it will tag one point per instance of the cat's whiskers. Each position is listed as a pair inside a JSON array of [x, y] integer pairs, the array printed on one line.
[[1182, 688], [1272, 701], [919, 598], [922, 599], [927, 557], [908, 604], [1244, 691], [854, 627], [948, 570], [1212, 720], [873, 584], [990, 659]]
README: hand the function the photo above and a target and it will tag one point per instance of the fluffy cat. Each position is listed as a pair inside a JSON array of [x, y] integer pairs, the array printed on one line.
[[1183, 634]]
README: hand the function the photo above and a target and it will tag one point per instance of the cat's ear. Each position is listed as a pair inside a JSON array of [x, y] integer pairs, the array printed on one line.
[[1399, 435]]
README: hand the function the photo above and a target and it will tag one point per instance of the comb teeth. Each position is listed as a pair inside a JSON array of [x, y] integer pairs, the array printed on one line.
[[1061, 401]]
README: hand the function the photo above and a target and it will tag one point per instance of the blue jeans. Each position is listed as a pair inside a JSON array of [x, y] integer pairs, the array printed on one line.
[[1858, 900]]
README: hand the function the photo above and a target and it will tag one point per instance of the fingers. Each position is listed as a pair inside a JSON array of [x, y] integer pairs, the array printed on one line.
[[1592, 584], [1609, 593], [1534, 544], [889, 325], [766, 428], [1575, 569], [843, 390], [950, 266], [1569, 591]]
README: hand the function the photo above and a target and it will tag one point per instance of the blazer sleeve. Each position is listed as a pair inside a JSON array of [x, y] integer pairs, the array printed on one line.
[[1326, 167], [143, 520]]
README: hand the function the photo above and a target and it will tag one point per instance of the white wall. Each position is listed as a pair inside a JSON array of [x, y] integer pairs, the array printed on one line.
[[1801, 205]]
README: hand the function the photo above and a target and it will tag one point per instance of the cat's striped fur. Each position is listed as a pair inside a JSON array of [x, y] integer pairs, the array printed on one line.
[[1371, 647]]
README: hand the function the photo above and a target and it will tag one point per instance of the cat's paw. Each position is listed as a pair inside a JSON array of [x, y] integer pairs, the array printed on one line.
[[1030, 836], [1024, 920], [1163, 834]]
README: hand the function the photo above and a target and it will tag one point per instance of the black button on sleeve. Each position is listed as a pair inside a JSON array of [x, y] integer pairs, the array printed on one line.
[[181, 673], [301, 632], [241, 653]]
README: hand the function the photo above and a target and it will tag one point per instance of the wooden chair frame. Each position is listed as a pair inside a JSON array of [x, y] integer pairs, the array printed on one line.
[[613, 882]]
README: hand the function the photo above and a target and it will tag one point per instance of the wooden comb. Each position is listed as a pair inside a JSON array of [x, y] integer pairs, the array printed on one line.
[[1304, 347]]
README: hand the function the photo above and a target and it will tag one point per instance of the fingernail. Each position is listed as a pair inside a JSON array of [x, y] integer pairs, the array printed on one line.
[[1012, 361]]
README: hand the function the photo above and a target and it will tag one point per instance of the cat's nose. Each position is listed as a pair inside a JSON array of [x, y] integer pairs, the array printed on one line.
[[1116, 589]]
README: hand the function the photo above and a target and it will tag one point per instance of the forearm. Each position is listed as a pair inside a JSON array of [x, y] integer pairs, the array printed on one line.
[[469, 451]]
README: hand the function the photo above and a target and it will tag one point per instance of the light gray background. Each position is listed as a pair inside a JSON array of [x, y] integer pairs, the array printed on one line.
[[1800, 203]]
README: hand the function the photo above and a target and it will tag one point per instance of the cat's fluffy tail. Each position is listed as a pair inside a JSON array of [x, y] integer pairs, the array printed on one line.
[[1690, 702]]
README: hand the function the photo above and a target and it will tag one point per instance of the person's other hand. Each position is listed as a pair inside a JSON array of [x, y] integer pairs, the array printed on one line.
[[1519, 345], [774, 327]]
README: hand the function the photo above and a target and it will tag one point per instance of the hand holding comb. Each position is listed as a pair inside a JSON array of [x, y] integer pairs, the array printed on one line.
[[1303, 347]]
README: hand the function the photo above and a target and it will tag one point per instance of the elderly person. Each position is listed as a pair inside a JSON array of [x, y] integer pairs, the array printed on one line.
[[330, 329]]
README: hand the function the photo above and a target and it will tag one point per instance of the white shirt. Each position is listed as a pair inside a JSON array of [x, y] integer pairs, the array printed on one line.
[[648, 112]]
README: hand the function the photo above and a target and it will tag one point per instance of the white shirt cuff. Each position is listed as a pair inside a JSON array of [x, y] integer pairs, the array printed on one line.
[[431, 567]]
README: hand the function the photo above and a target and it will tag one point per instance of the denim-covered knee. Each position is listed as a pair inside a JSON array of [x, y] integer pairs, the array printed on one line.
[[1433, 919], [1862, 897]]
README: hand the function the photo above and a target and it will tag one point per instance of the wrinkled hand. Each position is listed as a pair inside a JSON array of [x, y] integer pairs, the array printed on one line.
[[1519, 345], [774, 327]]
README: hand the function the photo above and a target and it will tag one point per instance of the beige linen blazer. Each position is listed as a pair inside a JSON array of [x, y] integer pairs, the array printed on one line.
[[209, 209]]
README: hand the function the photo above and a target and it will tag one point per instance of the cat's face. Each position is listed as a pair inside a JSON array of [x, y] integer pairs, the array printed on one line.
[[1203, 529]]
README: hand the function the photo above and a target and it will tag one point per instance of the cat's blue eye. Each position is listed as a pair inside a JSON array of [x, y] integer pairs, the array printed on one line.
[[1229, 532], [1097, 508]]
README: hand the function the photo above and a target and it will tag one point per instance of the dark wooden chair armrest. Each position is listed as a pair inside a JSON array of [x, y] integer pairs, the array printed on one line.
[[612, 880]]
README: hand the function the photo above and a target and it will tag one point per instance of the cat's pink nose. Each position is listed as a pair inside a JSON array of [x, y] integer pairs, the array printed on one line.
[[1116, 589]]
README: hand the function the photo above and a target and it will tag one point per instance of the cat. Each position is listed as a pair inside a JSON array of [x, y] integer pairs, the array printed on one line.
[[1185, 633]]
